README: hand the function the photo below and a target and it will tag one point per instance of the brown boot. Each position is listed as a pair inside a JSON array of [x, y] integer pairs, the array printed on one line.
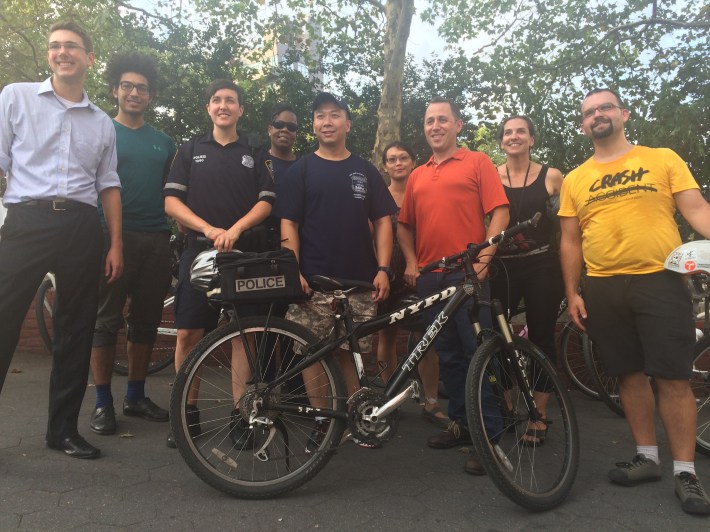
[[473, 465], [455, 434]]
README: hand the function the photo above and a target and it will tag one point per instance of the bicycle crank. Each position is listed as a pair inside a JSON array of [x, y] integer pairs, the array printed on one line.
[[363, 425]]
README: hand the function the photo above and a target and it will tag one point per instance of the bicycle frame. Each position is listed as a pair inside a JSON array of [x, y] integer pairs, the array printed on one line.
[[455, 297]]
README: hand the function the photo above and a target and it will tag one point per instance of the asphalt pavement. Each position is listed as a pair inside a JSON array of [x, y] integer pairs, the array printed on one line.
[[140, 484]]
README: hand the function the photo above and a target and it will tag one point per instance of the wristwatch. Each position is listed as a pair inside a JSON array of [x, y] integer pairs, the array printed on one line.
[[387, 270]]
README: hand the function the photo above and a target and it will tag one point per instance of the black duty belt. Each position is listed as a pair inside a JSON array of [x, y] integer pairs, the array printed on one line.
[[58, 205]]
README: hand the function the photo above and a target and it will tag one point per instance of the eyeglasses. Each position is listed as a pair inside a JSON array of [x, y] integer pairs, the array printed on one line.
[[280, 124], [603, 108], [401, 159], [69, 46], [128, 87]]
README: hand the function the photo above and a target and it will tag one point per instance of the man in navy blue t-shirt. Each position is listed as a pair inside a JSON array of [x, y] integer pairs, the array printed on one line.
[[328, 202]]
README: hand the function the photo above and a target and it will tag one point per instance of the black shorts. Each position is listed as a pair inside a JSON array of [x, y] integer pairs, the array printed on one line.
[[641, 323]]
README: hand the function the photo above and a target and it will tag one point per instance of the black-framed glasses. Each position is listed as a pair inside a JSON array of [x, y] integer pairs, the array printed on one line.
[[401, 159], [604, 108], [69, 46], [127, 86], [280, 124]]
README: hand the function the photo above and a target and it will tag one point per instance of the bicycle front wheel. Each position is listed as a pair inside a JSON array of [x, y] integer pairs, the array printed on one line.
[[269, 440], [535, 476], [700, 384]]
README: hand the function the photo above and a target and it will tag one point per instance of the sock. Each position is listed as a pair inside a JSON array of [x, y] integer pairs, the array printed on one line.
[[649, 451], [103, 396], [680, 467], [135, 390]]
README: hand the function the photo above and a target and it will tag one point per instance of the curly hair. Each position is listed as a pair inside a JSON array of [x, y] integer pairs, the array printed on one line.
[[144, 65]]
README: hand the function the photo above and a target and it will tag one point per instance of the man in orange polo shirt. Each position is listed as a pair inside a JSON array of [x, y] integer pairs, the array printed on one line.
[[445, 202]]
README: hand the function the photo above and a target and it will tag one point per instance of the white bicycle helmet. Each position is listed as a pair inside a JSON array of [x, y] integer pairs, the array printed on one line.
[[692, 258], [203, 272]]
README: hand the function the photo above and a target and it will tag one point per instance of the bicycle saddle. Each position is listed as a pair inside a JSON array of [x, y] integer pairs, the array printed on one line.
[[330, 284]]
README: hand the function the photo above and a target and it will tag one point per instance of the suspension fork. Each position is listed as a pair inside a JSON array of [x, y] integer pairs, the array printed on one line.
[[513, 360]]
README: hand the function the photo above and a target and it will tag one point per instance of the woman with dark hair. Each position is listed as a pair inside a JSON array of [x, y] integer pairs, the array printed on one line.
[[398, 160], [529, 266]]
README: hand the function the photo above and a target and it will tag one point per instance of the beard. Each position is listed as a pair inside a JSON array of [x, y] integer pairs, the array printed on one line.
[[602, 133]]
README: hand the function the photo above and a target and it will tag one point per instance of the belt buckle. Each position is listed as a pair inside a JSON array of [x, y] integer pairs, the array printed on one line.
[[57, 205]]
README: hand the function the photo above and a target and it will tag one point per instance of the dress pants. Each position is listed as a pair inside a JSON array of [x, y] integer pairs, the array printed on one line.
[[36, 239]]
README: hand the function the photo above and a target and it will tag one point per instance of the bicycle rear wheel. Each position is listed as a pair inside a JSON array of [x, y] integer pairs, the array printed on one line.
[[163, 354], [285, 445], [606, 386], [700, 384], [44, 310], [537, 477], [573, 361]]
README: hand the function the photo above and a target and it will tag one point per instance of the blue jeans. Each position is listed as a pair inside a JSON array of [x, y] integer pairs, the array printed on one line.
[[456, 342]]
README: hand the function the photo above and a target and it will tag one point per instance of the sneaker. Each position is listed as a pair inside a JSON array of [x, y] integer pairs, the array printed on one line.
[[317, 435], [239, 431], [692, 496], [640, 469], [455, 434]]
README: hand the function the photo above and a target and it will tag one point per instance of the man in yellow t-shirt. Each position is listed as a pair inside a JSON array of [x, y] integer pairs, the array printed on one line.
[[616, 213]]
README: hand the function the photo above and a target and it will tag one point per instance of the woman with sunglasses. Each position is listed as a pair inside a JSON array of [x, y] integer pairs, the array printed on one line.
[[282, 133], [529, 266], [398, 160]]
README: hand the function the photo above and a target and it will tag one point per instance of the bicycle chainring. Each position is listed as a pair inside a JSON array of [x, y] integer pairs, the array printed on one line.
[[367, 431]]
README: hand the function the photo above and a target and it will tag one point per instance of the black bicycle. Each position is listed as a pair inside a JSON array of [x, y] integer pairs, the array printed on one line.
[[293, 407], [163, 354]]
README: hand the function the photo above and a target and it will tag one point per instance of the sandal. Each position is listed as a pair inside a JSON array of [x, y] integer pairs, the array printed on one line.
[[538, 435], [432, 417]]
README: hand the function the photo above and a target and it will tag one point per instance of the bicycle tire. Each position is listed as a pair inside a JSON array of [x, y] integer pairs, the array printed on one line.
[[163, 354], [537, 477], [573, 361], [606, 386], [700, 384], [206, 378], [44, 310]]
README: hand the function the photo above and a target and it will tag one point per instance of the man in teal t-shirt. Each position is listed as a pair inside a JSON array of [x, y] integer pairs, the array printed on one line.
[[144, 157]]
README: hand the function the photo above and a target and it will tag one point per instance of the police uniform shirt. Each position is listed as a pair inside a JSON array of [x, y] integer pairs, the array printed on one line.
[[220, 184]]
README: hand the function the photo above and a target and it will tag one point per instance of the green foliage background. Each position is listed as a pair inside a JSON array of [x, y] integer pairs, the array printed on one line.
[[503, 57]]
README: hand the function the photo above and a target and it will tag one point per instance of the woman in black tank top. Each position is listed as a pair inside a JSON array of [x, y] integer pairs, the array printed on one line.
[[529, 267]]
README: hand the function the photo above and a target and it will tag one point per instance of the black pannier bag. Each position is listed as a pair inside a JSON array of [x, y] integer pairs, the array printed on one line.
[[259, 277]]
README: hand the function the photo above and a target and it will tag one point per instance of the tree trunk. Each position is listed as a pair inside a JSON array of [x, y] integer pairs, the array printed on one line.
[[389, 114]]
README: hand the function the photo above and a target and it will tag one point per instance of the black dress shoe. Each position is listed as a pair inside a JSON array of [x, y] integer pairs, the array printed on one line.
[[76, 447], [144, 408], [103, 420]]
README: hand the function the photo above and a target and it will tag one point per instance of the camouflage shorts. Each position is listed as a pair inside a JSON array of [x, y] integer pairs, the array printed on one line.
[[316, 315]]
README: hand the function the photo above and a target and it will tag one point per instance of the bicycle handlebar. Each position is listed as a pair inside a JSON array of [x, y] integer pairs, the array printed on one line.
[[472, 250]]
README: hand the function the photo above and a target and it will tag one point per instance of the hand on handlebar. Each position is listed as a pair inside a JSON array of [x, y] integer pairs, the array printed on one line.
[[410, 274]]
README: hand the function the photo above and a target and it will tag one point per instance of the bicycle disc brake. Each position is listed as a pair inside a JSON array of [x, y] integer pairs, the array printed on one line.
[[362, 427]]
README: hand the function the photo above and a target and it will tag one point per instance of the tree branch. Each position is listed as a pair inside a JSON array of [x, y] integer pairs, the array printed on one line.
[[24, 38], [377, 5], [631, 25]]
